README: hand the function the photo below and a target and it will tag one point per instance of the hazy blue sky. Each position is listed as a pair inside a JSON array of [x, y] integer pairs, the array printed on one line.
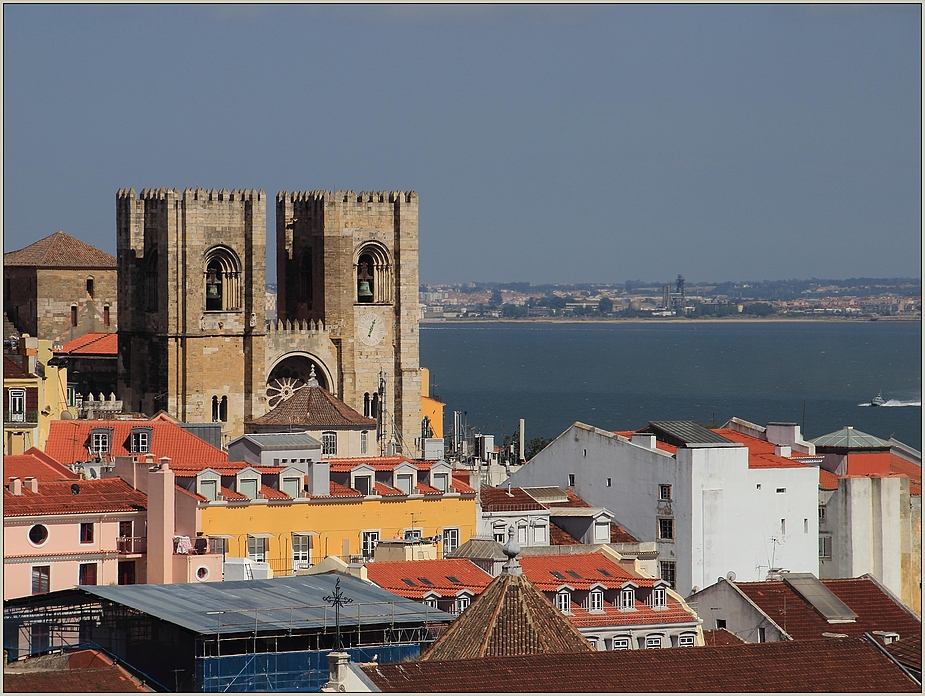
[[547, 144]]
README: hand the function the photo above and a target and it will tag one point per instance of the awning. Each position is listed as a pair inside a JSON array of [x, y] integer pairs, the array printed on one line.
[[220, 536], [262, 535], [308, 533]]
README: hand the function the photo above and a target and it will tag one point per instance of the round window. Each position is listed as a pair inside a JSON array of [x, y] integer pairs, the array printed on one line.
[[202, 573], [38, 534]]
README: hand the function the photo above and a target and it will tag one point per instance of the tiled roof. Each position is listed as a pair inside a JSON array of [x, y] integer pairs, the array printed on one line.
[[876, 610], [36, 464], [342, 464], [13, 370], [229, 494], [587, 566], [382, 489], [424, 489], [92, 344], [827, 480], [559, 537], [196, 496], [618, 535], [506, 499], [835, 665], [233, 470], [68, 441], [80, 671], [643, 616], [339, 491], [908, 651], [314, 407], [273, 494], [60, 250], [459, 483], [414, 579], [573, 501], [721, 636], [480, 548], [56, 498], [510, 617]]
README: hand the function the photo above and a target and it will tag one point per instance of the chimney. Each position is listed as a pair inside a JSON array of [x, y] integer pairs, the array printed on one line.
[[15, 485], [31, 484], [646, 440], [782, 450], [161, 515]]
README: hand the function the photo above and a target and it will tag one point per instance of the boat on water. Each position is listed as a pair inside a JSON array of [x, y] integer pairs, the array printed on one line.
[[877, 400]]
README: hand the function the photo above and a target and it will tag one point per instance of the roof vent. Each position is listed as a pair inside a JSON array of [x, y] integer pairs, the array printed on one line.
[[75, 489], [15, 486]]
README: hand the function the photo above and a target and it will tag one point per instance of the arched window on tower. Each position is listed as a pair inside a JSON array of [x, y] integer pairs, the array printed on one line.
[[366, 404], [223, 410], [215, 409], [365, 279], [374, 407], [90, 286], [305, 279], [373, 274], [222, 280]]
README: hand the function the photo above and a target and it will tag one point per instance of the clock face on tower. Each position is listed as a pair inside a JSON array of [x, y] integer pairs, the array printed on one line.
[[370, 329]]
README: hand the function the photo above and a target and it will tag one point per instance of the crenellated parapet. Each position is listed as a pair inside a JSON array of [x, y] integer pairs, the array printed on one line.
[[303, 327], [194, 194], [322, 197]]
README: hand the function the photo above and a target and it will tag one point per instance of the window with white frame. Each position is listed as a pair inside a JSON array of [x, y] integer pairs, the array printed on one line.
[[404, 483], [364, 441], [257, 549], [627, 598], [431, 602], [248, 488], [620, 643], [522, 534], [601, 531], [450, 540], [100, 441], [500, 534], [653, 642], [370, 539], [664, 491], [564, 601], [442, 482], [329, 443], [363, 484], [17, 406], [666, 529], [686, 640], [292, 486], [658, 598], [825, 547], [596, 601], [140, 440], [462, 603], [301, 551], [540, 535]]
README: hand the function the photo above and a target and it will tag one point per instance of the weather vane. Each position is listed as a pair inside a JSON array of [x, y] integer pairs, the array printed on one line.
[[337, 600]]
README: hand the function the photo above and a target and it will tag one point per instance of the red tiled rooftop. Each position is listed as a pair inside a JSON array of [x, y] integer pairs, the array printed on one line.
[[229, 494], [908, 651], [273, 494], [68, 441], [35, 463], [92, 344], [876, 610], [344, 464], [721, 636], [313, 406], [460, 484], [382, 489], [56, 498], [587, 566], [391, 575], [643, 616], [60, 250], [559, 537], [339, 491], [506, 499], [13, 370]]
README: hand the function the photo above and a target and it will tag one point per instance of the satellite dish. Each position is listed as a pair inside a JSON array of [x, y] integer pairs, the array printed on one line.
[[75, 489], [66, 415], [731, 575]]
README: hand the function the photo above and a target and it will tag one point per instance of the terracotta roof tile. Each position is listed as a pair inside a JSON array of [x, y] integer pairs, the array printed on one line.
[[559, 537], [92, 344], [191, 494], [80, 671], [273, 494], [908, 651], [835, 665], [504, 499], [68, 441], [587, 566], [60, 250], [424, 489], [643, 616], [618, 535], [33, 462], [314, 407], [229, 494], [827, 480], [342, 464], [339, 491], [382, 489], [460, 483], [56, 498], [721, 636], [13, 370], [876, 610], [392, 576]]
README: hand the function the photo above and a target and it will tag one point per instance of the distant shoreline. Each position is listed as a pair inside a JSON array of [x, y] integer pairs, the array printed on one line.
[[660, 320]]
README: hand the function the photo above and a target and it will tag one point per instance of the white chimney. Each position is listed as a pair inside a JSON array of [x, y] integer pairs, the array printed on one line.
[[31, 484], [646, 440], [15, 485]]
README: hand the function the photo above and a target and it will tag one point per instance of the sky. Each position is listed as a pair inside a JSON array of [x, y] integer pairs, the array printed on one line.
[[547, 144]]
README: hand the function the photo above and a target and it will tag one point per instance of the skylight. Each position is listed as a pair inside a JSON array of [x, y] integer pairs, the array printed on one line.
[[557, 574], [604, 572], [573, 574], [453, 579], [425, 581], [409, 582]]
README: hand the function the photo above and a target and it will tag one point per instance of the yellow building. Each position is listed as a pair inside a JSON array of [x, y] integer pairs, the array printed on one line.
[[294, 515], [430, 407]]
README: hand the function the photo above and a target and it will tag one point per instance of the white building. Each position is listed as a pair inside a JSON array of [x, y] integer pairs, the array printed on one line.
[[714, 501]]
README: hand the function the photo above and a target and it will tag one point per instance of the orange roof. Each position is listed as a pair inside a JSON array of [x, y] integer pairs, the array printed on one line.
[[342, 464], [92, 344], [663, 446], [460, 484], [827, 480], [414, 579], [13, 370], [591, 569], [644, 614], [60, 250], [68, 442], [57, 498], [33, 462]]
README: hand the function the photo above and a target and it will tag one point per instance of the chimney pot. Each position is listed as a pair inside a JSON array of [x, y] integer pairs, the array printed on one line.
[[15, 485], [32, 484], [165, 463]]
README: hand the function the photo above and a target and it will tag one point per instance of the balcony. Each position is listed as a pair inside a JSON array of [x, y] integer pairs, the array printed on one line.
[[20, 417], [131, 545]]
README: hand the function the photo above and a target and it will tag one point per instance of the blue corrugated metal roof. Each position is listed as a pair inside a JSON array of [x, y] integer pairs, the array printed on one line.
[[269, 605]]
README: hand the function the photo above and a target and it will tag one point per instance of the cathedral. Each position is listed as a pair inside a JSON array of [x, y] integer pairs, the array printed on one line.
[[194, 340]]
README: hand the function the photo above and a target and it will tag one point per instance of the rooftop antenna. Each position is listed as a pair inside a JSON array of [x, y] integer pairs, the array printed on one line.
[[337, 600]]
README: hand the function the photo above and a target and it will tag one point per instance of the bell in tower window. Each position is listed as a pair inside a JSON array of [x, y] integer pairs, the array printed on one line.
[[365, 279], [214, 287]]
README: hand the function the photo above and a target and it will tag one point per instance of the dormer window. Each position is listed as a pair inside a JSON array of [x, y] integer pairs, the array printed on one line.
[[363, 484], [627, 599], [404, 482], [208, 489], [291, 486], [248, 487], [462, 603], [140, 440], [596, 601], [659, 598], [441, 482], [100, 440], [564, 601]]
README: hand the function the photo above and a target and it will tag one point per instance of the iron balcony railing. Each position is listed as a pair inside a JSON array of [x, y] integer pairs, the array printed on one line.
[[20, 416], [132, 544]]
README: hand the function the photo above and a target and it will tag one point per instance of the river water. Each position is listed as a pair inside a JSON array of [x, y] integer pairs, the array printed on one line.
[[621, 375]]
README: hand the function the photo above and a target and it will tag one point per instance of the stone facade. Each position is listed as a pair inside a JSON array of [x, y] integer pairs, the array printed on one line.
[[204, 357]]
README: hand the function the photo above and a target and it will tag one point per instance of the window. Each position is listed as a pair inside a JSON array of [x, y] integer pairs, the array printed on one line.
[[462, 603], [248, 487], [41, 579], [370, 539], [86, 532], [362, 484], [825, 547], [414, 534], [223, 409], [653, 642], [805, 526], [441, 482], [100, 440], [17, 406], [328, 443], [686, 641], [596, 601], [608, 483], [540, 536], [301, 551], [781, 490], [71, 395], [721, 623], [761, 634], [658, 598], [125, 528], [627, 598], [666, 529], [73, 315], [601, 531], [664, 492], [622, 643], [432, 603], [571, 480], [783, 526], [822, 513], [404, 482], [450, 540], [106, 315], [500, 535], [140, 441], [257, 549], [87, 574], [365, 279], [373, 274], [90, 287], [667, 572], [522, 535], [38, 534], [208, 489], [222, 280], [564, 602], [291, 487], [364, 442]]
